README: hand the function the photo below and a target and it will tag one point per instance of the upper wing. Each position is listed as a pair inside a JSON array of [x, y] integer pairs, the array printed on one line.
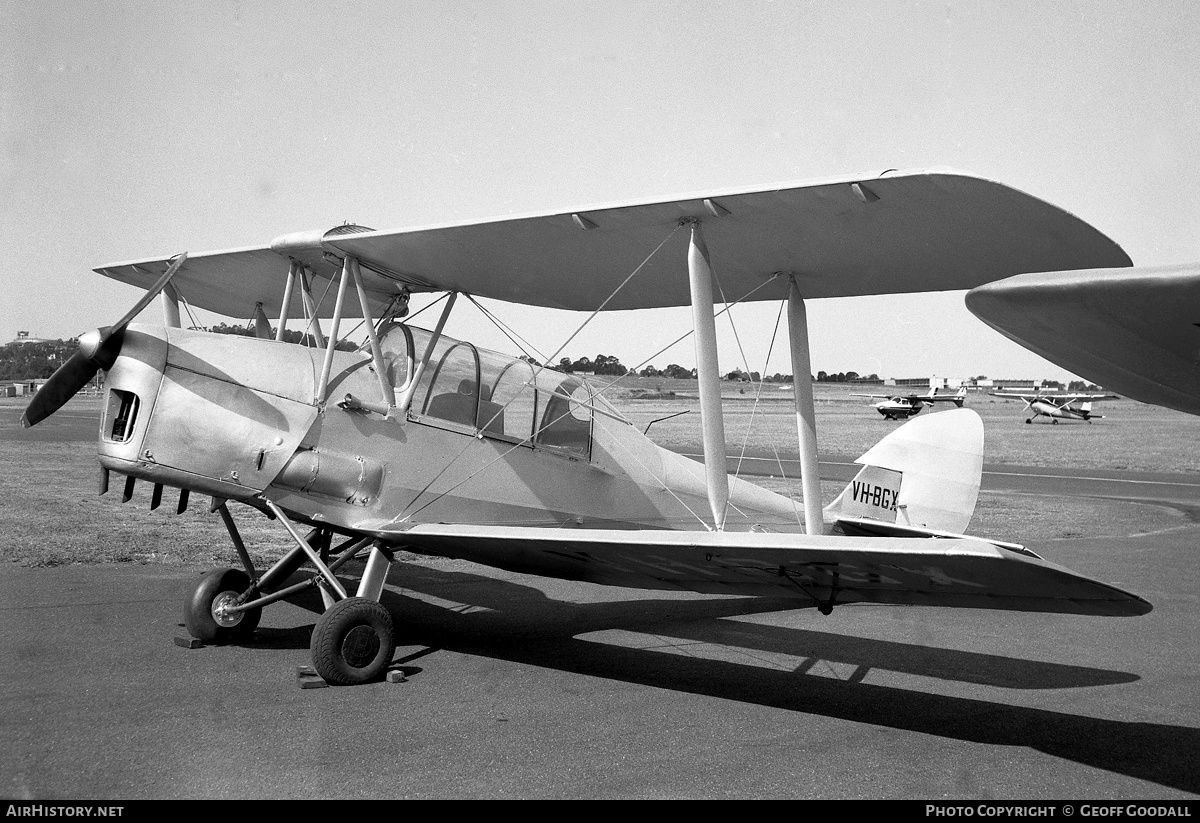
[[823, 570], [1026, 397], [891, 233], [1130, 330], [1075, 398]]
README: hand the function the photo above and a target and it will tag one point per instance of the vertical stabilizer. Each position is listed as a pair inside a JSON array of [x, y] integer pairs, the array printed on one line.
[[925, 475]]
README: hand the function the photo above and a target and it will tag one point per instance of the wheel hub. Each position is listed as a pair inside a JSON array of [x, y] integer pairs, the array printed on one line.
[[360, 646], [222, 603]]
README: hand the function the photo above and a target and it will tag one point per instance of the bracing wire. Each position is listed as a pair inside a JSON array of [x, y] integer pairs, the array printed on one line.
[[520, 342], [529, 383]]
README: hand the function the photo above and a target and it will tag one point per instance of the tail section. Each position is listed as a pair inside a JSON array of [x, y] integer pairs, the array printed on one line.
[[958, 398], [922, 477]]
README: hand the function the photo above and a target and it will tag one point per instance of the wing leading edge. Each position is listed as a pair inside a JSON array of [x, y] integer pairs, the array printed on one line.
[[868, 234], [824, 570]]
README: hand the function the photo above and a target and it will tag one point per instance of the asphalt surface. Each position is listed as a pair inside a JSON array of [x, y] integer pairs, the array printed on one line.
[[520, 687]]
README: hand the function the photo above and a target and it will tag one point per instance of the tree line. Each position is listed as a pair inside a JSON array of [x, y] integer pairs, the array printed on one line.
[[34, 361]]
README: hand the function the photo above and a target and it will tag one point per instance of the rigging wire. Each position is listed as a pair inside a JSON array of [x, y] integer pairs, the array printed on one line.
[[757, 399], [596, 391], [516, 339], [419, 311], [530, 383], [686, 335]]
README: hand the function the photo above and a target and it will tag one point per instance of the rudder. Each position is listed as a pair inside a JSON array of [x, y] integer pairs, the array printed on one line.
[[924, 475]]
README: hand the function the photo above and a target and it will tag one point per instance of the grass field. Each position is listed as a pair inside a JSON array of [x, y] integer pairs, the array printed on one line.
[[1132, 436], [51, 514]]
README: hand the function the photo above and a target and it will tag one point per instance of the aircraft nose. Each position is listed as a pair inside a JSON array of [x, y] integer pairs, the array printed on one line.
[[98, 349]]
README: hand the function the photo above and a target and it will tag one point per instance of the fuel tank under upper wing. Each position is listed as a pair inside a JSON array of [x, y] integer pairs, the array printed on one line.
[[825, 570]]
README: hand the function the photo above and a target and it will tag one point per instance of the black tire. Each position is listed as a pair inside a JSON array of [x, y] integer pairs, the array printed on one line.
[[352, 642], [202, 614]]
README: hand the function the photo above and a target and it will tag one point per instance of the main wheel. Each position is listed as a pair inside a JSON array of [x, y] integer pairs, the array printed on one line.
[[206, 612], [352, 642]]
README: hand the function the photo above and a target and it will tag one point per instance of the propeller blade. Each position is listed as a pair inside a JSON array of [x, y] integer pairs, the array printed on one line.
[[61, 387], [98, 352], [120, 325]]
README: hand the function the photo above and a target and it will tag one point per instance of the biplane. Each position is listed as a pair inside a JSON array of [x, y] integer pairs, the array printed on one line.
[[416, 441], [1057, 405], [1131, 330], [904, 406]]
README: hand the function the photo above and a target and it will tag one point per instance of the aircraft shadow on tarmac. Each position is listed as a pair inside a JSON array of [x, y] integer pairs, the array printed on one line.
[[517, 623]]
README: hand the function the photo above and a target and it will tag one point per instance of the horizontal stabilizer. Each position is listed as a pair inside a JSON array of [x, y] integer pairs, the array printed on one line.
[[866, 527], [957, 398]]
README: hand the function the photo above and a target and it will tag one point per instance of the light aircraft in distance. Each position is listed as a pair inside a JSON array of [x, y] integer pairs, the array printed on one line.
[[1132, 330], [903, 406], [1058, 406], [420, 442]]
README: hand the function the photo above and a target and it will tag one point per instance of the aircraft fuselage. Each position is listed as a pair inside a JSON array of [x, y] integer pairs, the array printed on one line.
[[898, 409], [1064, 412], [489, 439]]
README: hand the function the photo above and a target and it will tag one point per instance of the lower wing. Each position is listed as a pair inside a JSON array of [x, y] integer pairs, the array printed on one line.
[[824, 570]]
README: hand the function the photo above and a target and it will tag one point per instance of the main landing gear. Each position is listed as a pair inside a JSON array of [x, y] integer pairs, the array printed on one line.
[[353, 640]]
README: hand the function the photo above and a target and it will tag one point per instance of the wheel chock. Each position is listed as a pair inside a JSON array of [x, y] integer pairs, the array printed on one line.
[[188, 642], [396, 676], [307, 678]]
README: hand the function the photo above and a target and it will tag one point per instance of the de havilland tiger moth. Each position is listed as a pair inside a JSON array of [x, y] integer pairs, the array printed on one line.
[[420, 442]]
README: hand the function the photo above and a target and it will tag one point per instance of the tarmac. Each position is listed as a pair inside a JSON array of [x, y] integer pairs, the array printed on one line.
[[520, 687]]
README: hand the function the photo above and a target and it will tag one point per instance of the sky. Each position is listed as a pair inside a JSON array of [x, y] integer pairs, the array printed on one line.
[[130, 130]]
